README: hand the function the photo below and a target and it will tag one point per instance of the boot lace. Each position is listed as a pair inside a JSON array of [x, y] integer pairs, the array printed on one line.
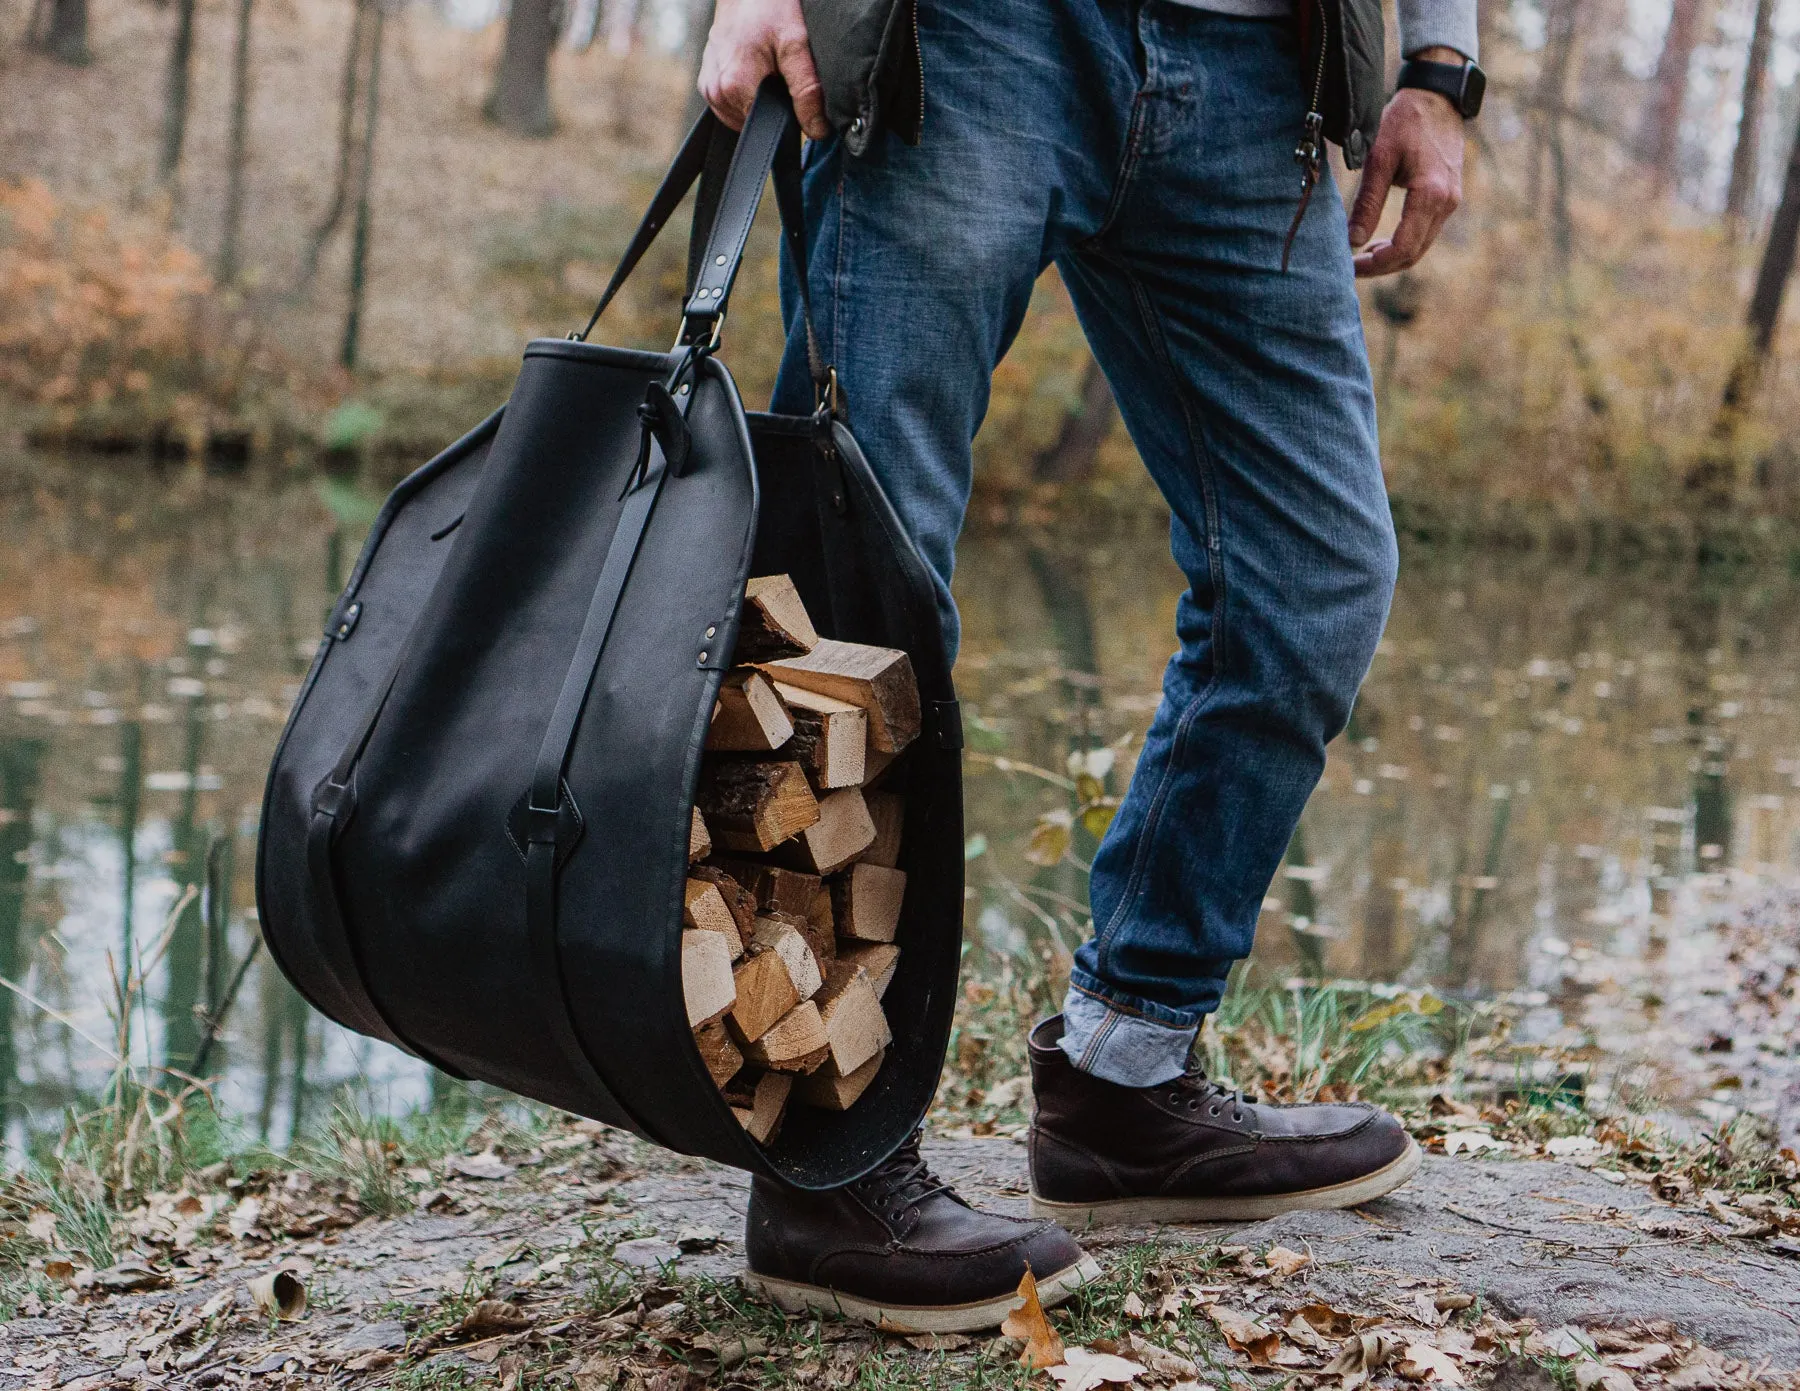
[[1194, 1090], [901, 1182]]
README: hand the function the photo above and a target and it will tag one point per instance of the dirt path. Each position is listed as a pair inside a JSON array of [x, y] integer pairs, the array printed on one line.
[[597, 1252]]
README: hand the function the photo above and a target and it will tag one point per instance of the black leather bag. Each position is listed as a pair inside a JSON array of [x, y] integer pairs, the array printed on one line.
[[474, 836]]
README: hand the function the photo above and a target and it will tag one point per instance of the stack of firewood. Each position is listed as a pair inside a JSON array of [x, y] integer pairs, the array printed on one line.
[[793, 891]]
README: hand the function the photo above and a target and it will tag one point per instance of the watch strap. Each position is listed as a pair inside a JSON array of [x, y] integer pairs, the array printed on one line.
[[1462, 84]]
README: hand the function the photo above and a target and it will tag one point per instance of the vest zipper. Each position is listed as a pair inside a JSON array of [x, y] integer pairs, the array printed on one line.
[[1311, 149]]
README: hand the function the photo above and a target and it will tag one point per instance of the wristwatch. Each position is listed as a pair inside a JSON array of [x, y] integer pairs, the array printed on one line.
[[1463, 83]]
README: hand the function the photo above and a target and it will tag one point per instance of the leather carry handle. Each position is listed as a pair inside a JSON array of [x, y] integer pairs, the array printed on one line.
[[725, 210]]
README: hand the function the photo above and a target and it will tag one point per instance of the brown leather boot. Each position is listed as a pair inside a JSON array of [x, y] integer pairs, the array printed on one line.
[[1195, 1151], [899, 1250]]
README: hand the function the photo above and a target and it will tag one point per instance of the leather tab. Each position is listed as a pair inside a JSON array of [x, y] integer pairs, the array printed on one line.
[[945, 717], [562, 828], [332, 798]]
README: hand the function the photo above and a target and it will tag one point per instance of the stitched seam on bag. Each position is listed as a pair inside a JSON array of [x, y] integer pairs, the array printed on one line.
[[1216, 569]]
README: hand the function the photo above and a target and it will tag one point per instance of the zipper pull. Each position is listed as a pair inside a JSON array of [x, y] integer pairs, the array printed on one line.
[[1307, 155]]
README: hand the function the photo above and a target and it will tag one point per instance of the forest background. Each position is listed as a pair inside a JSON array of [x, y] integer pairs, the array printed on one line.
[[269, 230]]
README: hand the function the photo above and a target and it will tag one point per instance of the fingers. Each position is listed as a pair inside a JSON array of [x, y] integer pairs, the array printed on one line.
[[1429, 202], [1372, 192], [728, 83], [794, 59]]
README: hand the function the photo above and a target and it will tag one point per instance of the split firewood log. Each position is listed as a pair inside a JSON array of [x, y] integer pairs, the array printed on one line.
[[748, 716], [765, 992], [786, 937], [830, 1090], [797, 1042], [707, 983], [877, 958], [879, 679], [699, 838], [830, 736], [855, 1027], [774, 622], [705, 910], [841, 832], [738, 900], [759, 1104], [756, 805], [721, 1056], [866, 901]]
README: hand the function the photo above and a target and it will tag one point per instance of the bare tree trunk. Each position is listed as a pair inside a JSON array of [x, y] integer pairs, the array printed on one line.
[[65, 37], [359, 240], [1713, 471], [1084, 429], [348, 90], [175, 92], [521, 97], [238, 151], [1661, 138], [1742, 191], [1561, 26]]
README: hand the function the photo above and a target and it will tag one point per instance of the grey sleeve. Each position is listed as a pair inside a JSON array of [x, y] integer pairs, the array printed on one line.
[[1430, 23]]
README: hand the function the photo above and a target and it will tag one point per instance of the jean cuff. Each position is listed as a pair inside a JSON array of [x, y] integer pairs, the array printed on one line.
[[1122, 1045]]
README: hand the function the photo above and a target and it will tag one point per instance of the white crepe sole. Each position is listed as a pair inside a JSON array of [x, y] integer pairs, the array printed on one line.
[[1146, 1211], [798, 1298]]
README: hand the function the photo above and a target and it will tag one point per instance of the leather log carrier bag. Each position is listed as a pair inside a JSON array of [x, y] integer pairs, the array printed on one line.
[[475, 832]]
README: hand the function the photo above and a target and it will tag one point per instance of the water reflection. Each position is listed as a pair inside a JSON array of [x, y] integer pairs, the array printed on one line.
[[1545, 764]]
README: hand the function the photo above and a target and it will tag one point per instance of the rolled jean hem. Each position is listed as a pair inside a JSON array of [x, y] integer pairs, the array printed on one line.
[[1123, 1042]]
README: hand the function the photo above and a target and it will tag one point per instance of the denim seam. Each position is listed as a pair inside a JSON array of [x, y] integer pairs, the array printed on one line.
[[837, 265], [1098, 1041], [1128, 162], [1216, 567]]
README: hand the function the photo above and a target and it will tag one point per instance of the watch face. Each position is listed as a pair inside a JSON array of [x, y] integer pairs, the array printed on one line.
[[1474, 88]]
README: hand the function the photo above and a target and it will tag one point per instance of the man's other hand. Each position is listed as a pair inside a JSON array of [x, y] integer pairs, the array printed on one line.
[[749, 40], [1419, 149]]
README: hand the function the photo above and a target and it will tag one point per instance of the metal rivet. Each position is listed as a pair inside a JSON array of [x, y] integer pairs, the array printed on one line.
[[702, 661], [684, 392], [711, 631], [719, 260]]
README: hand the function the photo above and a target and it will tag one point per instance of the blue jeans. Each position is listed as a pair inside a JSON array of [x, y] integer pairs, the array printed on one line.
[[1145, 149]]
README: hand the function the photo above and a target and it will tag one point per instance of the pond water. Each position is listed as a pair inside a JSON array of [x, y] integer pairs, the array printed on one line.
[[1554, 776]]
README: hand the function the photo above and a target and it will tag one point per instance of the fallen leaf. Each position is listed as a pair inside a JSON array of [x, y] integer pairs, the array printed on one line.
[[130, 1275], [1673, 1188], [244, 1217], [1425, 1309], [1244, 1334], [1083, 1370], [1646, 1358], [1286, 1262], [42, 1226], [1133, 1307], [1567, 1341], [728, 1351], [279, 1294], [1564, 1145], [59, 1270], [1423, 1362], [486, 1165], [1451, 1300], [1327, 1321], [1591, 1375], [1361, 1356], [373, 1360], [1157, 1359], [1302, 1334], [486, 1353], [1043, 1346], [493, 1316], [940, 1342]]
